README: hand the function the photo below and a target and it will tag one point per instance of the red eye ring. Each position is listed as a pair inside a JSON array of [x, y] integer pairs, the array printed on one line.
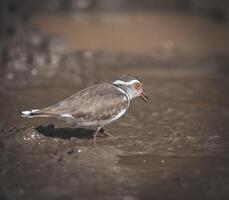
[[137, 86]]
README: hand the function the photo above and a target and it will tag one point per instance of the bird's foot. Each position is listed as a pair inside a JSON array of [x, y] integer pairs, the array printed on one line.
[[106, 133], [100, 130]]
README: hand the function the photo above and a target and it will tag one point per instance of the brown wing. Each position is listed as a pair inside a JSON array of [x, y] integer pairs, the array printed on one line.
[[98, 102]]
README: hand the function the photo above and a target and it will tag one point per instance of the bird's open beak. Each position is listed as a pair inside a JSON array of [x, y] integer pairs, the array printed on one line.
[[144, 97]]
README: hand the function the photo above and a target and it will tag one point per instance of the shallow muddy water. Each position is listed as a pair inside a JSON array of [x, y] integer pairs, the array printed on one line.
[[174, 147], [169, 34]]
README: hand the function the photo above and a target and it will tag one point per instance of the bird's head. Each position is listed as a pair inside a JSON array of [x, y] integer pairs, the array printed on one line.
[[132, 86]]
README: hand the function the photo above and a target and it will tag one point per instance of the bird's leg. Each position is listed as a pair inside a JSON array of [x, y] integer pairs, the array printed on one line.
[[96, 133], [106, 133]]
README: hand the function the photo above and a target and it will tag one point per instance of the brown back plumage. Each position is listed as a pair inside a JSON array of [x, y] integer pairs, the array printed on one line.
[[98, 102]]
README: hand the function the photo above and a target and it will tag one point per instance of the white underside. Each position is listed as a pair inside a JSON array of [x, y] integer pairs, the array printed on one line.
[[67, 115], [69, 118], [115, 117]]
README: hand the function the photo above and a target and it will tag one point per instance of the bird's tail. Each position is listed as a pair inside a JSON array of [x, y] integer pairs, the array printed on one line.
[[33, 113]]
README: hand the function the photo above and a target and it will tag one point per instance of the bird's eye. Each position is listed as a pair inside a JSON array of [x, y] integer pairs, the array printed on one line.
[[137, 86]]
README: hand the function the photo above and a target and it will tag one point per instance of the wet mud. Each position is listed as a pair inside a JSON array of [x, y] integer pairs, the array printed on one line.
[[174, 147]]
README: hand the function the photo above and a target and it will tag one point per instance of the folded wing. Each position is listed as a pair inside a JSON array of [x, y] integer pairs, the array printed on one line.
[[98, 102]]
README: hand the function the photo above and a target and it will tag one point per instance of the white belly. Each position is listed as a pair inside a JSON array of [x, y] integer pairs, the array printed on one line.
[[115, 117]]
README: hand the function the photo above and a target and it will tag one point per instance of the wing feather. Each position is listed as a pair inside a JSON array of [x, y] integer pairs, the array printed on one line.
[[98, 102]]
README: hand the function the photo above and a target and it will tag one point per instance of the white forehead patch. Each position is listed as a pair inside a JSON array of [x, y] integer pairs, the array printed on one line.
[[126, 83]]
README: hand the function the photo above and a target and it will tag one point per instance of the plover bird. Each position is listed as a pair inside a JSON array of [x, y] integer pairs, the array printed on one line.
[[95, 106]]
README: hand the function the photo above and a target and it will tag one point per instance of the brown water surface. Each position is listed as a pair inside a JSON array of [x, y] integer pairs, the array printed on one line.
[[140, 33]]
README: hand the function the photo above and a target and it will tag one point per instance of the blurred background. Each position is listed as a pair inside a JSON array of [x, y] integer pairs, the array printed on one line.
[[175, 147], [57, 38]]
